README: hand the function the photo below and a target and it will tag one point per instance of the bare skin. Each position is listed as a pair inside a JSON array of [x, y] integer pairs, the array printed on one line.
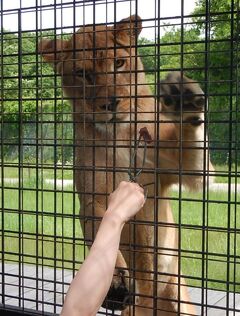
[[91, 283]]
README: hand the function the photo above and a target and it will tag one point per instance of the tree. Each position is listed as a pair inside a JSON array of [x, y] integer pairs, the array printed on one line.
[[219, 21], [30, 98]]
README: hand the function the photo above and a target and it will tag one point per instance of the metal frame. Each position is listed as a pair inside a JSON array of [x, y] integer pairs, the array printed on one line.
[[39, 219]]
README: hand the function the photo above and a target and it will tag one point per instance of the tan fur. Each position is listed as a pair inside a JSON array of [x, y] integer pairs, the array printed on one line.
[[97, 150]]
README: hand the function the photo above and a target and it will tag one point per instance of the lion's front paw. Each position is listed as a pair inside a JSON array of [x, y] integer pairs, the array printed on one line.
[[182, 97], [119, 295]]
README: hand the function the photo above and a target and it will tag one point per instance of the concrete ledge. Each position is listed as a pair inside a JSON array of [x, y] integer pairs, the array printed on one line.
[[42, 289]]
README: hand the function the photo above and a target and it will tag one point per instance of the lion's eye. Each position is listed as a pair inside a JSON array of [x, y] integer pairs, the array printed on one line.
[[84, 75], [119, 63], [79, 73]]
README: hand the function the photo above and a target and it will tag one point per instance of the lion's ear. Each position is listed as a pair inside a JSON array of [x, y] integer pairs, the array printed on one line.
[[131, 27], [51, 49]]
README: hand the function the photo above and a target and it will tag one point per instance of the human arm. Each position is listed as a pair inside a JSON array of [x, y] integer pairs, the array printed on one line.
[[91, 283]]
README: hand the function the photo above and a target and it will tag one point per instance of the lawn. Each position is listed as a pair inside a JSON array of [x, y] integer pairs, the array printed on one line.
[[222, 172], [47, 225], [210, 238], [47, 228], [30, 171]]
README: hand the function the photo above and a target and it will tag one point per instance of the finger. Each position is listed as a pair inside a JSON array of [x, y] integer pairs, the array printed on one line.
[[139, 187], [124, 183]]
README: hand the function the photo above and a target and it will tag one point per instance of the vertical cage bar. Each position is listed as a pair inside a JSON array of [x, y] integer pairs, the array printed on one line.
[[20, 160], [2, 162]]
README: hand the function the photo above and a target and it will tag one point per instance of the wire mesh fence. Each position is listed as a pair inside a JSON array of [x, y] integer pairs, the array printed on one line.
[[79, 80]]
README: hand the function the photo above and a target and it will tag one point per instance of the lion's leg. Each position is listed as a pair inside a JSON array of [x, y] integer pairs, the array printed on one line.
[[120, 294], [170, 303], [137, 311], [169, 284], [155, 261], [183, 102], [187, 308], [157, 264]]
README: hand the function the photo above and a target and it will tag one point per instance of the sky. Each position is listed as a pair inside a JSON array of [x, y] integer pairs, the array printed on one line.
[[85, 13]]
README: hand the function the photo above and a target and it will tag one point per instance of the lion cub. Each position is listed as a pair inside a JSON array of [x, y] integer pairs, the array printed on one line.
[[104, 79]]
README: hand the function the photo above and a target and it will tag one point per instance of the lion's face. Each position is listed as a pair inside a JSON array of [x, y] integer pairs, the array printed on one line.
[[100, 69]]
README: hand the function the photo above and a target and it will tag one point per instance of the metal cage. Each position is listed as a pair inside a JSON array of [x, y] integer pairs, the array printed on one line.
[[79, 79]]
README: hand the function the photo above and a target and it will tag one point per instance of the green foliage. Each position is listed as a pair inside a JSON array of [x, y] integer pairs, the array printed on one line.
[[206, 50], [222, 59], [31, 103]]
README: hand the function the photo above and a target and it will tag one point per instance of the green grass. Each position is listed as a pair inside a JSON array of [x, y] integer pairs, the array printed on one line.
[[223, 174], [30, 171], [46, 223], [219, 240]]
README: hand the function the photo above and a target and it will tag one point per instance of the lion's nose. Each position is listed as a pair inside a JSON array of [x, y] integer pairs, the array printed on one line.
[[111, 105]]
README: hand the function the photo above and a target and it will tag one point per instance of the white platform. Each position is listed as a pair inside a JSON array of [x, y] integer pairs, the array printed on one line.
[[42, 288]]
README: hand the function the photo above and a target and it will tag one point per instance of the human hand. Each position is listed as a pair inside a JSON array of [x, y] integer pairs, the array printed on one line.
[[126, 201]]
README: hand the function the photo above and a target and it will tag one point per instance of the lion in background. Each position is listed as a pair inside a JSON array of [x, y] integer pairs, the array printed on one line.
[[105, 81]]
